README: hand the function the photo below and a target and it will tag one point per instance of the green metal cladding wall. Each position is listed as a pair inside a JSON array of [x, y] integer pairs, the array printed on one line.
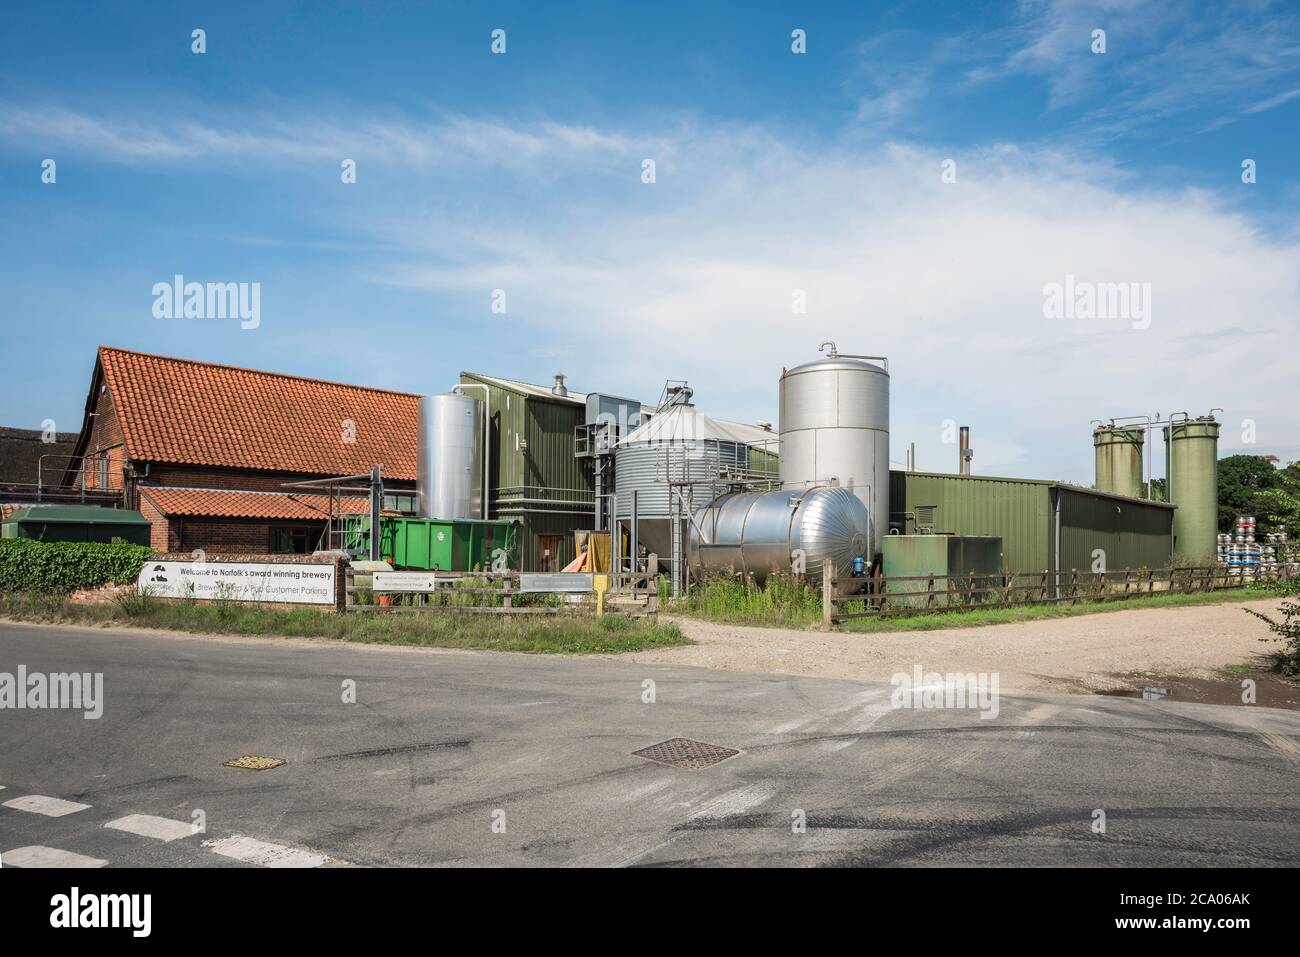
[[1022, 513], [1018, 512], [532, 457], [1132, 534]]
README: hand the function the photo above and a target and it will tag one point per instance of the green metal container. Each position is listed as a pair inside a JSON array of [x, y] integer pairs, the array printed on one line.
[[1191, 462], [77, 523], [955, 561], [428, 544], [1118, 452]]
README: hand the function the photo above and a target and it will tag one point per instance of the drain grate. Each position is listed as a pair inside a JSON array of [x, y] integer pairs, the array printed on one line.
[[253, 762], [685, 753]]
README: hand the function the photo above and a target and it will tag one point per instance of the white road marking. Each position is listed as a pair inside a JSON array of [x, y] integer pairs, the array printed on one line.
[[736, 802], [645, 790], [37, 856], [50, 807], [790, 726], [839, 744], [263, 854], [146, 825]]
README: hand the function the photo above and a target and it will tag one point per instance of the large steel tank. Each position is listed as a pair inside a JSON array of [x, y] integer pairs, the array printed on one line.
[[1118, 451], [760, 533], [1191, 463], [449, 470], [835, 426]]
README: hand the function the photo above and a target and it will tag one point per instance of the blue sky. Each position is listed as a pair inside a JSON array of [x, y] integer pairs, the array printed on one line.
[[775, 172]]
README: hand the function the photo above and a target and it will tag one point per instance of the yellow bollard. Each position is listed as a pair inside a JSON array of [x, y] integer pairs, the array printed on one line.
[[600, 584]]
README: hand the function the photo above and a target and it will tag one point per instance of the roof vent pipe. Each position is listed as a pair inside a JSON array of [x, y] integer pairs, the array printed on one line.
[[966, 453], [559, 388]]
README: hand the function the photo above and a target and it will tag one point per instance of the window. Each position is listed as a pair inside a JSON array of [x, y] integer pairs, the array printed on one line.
[[292, 541], [404, 503], [103, 471]]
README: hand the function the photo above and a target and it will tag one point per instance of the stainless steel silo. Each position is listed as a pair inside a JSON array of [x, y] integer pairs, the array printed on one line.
[[835, 428], [673, 449], [449, 472], [759, 533]]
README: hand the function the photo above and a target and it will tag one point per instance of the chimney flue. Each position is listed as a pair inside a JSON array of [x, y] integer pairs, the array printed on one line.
[[965, 452], [559, 388]]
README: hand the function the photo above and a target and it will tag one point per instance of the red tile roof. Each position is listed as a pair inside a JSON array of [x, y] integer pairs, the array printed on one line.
[[212, 503], [199, 413]]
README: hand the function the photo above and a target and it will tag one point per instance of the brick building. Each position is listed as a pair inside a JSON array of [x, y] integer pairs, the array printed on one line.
[[205, 451]]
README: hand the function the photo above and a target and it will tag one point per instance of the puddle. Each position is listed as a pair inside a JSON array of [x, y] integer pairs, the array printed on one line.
[[1271, 689]]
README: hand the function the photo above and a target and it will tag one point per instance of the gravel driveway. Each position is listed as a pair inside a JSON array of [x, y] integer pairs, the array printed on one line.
[[1071, 655]]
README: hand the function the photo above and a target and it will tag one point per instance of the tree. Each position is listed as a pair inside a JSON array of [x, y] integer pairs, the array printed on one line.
[[1250, 485]]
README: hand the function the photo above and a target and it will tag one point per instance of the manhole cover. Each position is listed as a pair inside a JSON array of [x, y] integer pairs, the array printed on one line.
[[685, 753], [254, 762]]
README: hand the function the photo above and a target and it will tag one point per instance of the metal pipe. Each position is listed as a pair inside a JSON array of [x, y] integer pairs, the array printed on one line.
[[836, 354], [487, 437], [635, 553], [1057, 560], [964, 453]]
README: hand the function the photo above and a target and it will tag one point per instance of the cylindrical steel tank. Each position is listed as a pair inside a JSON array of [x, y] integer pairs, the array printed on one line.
[[1191, 463], [835, 425], [449, 471], [760, 533], [1119, 459]]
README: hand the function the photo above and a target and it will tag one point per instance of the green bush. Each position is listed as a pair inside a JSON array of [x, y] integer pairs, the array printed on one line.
[[62, 567], [1288, 632]]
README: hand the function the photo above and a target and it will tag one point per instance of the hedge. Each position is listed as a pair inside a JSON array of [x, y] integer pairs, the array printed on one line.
[[28, 565]]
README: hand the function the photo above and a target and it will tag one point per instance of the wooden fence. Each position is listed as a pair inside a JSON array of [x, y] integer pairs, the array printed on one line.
[[926, 594], [462, 599]]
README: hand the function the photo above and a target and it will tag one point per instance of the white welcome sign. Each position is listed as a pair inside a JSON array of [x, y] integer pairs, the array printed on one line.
[[297, 583]]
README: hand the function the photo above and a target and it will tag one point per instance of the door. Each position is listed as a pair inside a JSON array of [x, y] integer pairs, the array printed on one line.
[[547, 546]]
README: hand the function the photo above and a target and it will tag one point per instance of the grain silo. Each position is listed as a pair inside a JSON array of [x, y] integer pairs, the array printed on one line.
[[678, 446]]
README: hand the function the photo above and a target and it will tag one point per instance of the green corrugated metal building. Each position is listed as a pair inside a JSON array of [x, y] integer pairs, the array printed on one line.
[[532, 471], [1037, 520]]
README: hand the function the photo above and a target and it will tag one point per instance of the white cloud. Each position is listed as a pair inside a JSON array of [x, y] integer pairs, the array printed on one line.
[[1163, 59], [694, 279], [693, 276]]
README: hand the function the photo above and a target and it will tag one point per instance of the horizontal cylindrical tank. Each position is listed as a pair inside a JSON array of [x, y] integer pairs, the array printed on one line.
[[1118, 451], [1191, 460], [760, 533], [835, 426], [449, 470]]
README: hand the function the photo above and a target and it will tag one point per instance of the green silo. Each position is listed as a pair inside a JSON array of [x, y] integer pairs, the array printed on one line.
[[1119, 459], [1191, 463]]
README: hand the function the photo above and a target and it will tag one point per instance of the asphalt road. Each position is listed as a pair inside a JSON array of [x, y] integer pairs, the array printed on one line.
[[440, 746]]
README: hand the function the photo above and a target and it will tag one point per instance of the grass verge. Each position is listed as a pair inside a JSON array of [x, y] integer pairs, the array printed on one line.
[[788, 603], [527, 633], [975, 617]]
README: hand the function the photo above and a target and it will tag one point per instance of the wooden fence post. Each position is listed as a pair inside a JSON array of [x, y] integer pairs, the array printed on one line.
[[828, 592]]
